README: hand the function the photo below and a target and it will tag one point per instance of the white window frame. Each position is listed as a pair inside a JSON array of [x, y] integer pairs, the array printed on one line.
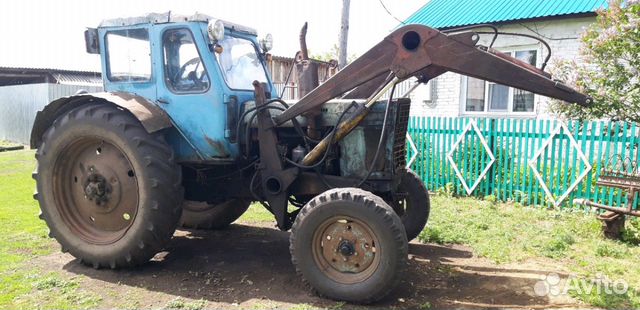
[[509, 112]]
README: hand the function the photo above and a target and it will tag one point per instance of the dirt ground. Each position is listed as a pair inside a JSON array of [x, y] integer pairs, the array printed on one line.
[[249, 267]]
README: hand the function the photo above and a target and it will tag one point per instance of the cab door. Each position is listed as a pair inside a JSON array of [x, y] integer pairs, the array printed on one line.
[[188, 94]]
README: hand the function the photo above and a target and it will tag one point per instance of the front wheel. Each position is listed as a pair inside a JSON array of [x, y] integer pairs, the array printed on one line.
[[109, 191], [348, 244], [412, 204]]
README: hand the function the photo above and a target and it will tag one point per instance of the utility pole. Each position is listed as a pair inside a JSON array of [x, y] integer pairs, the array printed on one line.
[[344, 34]]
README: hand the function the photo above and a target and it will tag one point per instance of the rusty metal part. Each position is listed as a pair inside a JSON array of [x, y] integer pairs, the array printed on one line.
[[612, 224], [346, 126], [217, 145], [618, 173], [417, 50], [307, 77], [152, 117], [519, 62], [274, 179], [304, 52], [346, 249], [628, 210], [95, 190], [411, 89]]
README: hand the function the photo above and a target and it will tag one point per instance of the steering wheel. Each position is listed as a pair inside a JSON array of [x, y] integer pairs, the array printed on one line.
[[193, 76]]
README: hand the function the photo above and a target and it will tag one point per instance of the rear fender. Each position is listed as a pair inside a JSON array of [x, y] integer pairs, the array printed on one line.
[[152, 117]]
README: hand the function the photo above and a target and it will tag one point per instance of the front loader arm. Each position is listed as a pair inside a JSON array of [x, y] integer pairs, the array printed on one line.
[[417, 50]]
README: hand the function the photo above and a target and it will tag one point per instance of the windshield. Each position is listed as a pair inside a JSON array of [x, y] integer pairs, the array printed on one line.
[[240, 63]]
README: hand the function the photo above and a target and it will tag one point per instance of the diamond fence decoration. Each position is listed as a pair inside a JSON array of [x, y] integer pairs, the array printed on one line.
[[414, 150], [533, 163], [471, 126]]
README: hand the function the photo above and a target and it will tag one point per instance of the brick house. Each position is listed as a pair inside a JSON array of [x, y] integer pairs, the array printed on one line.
[[559, 22]]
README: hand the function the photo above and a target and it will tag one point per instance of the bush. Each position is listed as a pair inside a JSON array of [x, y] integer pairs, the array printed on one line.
[[612, 64]]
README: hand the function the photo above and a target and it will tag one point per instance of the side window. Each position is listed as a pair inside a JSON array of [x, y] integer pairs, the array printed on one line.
[[184, 71], [129, 55]]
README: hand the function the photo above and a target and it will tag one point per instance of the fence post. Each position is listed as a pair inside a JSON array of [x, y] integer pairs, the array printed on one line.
[[491, 176]]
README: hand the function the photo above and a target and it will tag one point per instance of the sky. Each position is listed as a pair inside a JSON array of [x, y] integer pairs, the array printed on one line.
[[49, 34]]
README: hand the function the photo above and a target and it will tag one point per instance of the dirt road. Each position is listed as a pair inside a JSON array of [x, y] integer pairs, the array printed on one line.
[[249, 267]]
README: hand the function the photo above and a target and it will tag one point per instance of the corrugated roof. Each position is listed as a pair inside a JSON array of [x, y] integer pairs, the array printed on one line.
[[455, 13], [77, 79], [47, 69], [21, 75]]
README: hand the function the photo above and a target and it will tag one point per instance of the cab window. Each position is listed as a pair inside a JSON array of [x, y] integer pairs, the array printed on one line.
[[184, 70], [128, 55], [240, 63]]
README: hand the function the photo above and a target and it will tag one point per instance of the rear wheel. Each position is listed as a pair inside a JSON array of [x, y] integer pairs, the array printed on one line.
[[412, 204], [202, 215], [107, 189], [348, 244]]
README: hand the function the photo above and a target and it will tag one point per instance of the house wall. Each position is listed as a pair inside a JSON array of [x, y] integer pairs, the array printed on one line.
[[20, 103], [563, 36]]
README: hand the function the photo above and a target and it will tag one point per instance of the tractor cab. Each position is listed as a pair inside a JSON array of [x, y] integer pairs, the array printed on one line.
[[198, 69]]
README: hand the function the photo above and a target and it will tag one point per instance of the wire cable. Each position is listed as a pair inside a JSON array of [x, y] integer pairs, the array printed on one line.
[[286, 81], [389, 12]]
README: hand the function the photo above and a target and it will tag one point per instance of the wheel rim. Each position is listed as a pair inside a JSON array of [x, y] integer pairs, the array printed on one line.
[[95, 190], [346, 249]]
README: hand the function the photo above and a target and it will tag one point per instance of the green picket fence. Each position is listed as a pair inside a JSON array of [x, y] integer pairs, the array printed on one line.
[[514, 143]]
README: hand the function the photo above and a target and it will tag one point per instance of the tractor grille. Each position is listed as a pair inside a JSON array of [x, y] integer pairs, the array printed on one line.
[[400, 133]]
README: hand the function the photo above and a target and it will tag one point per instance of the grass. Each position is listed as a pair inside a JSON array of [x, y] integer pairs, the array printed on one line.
[[24, 237], [4, 143], [256, 214], [179, 303], [508, 233]]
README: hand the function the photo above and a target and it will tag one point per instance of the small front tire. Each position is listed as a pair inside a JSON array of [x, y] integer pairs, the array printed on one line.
[[414, 207], [348, 244]]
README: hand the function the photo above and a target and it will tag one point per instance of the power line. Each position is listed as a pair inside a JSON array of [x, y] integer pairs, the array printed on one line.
[[388, 12]]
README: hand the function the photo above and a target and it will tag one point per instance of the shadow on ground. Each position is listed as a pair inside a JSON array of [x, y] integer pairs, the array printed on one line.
[[249, 265]]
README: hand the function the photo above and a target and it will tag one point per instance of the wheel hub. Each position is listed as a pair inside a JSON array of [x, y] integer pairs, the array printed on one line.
[[97, 189], [346, 249]]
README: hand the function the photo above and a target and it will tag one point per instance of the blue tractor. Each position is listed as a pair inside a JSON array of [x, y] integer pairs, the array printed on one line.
[[190, 131]]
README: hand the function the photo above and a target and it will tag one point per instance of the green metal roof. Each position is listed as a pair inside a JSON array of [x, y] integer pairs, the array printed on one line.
[[455, 13]]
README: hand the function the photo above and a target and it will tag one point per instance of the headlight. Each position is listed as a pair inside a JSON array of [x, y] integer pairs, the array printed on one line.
[[266, 43], [216, 30]]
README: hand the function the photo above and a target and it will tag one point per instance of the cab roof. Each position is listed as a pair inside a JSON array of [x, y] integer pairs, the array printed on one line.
[[169, 17]]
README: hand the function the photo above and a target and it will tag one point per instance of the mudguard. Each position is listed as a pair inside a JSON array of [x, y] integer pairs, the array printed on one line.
[[152, 117]]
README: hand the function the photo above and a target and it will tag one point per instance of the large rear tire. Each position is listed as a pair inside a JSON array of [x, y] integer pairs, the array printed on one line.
[[413, 206], [109, 191], [348, 244], [202, 215]]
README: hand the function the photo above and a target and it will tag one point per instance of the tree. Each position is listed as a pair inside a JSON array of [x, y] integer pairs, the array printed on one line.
[[610, 72]]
